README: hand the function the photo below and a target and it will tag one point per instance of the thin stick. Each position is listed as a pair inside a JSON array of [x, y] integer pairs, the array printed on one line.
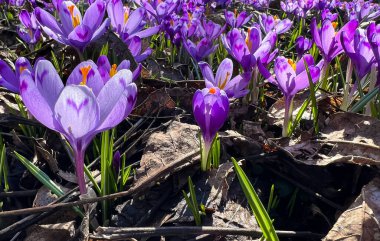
[[114, 233], [132, 191]]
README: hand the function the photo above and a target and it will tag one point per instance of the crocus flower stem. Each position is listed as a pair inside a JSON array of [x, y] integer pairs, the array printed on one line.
[[205, 165], [80, 54], [345, 101], [79, 168], [288, 115], [372, 84], [255, 88], [324, 75]]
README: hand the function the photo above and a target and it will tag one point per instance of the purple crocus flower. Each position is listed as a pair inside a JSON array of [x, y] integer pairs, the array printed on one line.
[[327, 40], [199, 50], [359, 51], [235, 87], [373, 34], [326, 14], [246, 50], [10, 79], [236, 20], [29, 30], [210, 108], [273, 23], [72, 29], [135, 46], [107, 70], [290, 78], [302, 45], [128, 23], [82, 108], [158, 9]]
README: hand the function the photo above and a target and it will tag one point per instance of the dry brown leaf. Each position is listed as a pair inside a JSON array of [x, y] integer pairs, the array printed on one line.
[[347, 138], [361, 220], [165, 147]]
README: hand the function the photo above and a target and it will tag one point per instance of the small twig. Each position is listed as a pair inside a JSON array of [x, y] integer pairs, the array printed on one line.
[[113, 233], [132, 191]]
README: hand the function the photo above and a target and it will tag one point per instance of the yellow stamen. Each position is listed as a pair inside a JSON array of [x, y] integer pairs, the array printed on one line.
[[84, 70], [126, 16], [222, 85], [291, 62], [113, 70], [334, 24], [212, 90], [75, 19], [275, 17]]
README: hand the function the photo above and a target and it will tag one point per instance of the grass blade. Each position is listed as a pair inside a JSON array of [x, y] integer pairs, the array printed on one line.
[[257, 207]]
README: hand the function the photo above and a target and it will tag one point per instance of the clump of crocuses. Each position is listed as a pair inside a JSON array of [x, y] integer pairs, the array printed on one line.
[[83, 108], [210, 108], [72, 29]]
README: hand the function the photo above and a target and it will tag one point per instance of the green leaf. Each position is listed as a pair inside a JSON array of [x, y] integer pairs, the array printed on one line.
[[257, 207], [104, 50], [4, 168], [313, 98], [40, 175], [126, 175], [363, 101]]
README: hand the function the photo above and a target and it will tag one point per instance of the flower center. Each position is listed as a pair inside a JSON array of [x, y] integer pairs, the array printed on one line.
[[85, 70], [75, 19], [223, 84], [113, 70], [212, 90], [334, 24], [291, 62]]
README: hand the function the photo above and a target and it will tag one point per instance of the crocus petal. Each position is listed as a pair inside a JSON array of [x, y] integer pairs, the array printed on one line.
[[116, 99], [22, 64], [315, 33], [116, 14], [148, 32], [24, 17], [327, 35], [302, 80], [207, 72], [94, 15], [47, 20], [48, 82], [283, 26], [80, 37], [77, 111], [300, 66], [8, 78], [134, 20], [224, 73], [101, 30], [66, 17], [285, 74], [35, 102]]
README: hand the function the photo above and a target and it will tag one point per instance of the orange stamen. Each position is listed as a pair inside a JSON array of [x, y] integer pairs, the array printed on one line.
[[275, 17], [74, 19], [84, 70], [235, 12], [334, 24], [113, 70], [212, 90], [247, 40], [22, 68], [222, 85]]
